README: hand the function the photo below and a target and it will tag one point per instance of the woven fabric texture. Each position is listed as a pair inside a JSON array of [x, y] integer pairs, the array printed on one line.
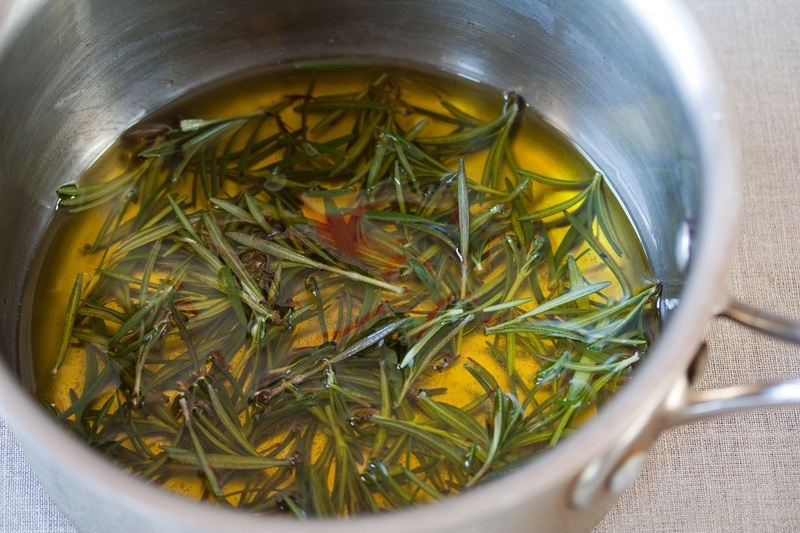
[[737, 473], [24, 506]]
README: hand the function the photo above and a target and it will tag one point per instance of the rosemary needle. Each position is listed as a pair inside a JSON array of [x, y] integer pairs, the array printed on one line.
[[69, 321]]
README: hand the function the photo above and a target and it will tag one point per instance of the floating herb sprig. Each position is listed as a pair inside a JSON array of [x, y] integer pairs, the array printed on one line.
[[287, 303]]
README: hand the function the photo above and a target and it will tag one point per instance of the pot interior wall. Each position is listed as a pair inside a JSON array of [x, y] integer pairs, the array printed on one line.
[[83, 71]]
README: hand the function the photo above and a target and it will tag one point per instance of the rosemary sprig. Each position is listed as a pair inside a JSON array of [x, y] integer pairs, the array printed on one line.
[[286, 254], [284, 301]]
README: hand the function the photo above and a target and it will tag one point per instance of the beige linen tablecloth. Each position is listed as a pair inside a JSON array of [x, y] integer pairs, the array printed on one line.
[[738, 473]]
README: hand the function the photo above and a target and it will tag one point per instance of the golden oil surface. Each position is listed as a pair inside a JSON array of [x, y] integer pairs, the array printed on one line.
[[534, 146]]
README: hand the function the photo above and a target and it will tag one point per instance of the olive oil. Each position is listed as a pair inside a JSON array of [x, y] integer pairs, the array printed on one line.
[[327, 293]]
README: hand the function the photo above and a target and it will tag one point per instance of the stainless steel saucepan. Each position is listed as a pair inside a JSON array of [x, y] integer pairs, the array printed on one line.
[[630, 81]]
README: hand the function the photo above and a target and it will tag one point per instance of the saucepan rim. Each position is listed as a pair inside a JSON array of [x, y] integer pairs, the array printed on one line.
[[690, 66]]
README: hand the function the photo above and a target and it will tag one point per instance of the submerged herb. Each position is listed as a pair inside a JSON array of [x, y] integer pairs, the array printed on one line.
[[288, 313]]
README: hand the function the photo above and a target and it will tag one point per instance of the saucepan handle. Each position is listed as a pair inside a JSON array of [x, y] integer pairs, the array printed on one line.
[[611, 473], [692, 405]]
